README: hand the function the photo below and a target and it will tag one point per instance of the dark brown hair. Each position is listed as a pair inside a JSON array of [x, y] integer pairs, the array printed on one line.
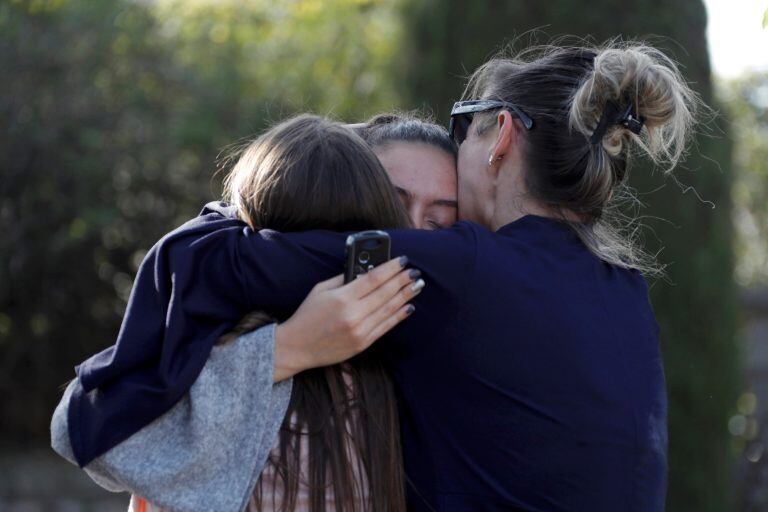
[[392, 127], [565, 90], [307, 173]]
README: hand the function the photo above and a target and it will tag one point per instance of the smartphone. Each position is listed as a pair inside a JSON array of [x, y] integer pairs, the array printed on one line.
[[364, 251]]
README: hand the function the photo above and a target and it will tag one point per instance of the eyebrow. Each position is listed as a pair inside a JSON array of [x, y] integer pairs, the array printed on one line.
[[450, 203], [401, 190]]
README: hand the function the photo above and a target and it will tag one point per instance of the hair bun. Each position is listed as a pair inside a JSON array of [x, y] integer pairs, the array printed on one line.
[[644, 78]]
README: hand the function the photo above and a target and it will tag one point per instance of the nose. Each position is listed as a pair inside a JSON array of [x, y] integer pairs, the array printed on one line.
[[416, 212]]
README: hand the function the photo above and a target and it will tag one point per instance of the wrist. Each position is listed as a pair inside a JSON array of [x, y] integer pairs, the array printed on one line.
[[288, 356]]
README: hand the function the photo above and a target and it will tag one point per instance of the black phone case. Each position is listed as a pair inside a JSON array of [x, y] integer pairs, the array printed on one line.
[[364, 251]]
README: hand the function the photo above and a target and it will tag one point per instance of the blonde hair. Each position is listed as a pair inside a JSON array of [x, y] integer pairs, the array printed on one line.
[[566, 90], [652, 81]]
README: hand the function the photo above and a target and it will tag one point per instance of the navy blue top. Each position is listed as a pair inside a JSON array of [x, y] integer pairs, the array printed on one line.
[[530, 375]]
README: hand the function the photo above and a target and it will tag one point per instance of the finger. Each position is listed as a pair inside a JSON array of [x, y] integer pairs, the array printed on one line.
[[391, 306], [330, 284], [389, 323], [368, 282], [380, 296]]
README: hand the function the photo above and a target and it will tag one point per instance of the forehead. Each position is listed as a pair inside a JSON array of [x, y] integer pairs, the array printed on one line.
[[419, 168]]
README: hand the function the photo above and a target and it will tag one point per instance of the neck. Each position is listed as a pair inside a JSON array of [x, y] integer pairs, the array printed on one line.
[[512, 201], [514, 208]]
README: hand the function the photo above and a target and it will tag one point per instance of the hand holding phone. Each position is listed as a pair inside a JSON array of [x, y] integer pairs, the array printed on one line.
[[338, 321]]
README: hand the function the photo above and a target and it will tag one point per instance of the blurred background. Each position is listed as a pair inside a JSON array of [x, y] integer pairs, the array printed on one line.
[[112, 113]]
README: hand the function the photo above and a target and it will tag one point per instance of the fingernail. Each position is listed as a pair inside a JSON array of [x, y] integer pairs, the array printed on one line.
[[410, 309], [403, 261], [414, 274], [418, 285]]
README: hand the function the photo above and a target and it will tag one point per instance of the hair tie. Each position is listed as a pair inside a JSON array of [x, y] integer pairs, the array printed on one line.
[[613, 115], [589, 56]]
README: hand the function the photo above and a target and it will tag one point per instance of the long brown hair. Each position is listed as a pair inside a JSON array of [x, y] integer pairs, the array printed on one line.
[[312, 173]]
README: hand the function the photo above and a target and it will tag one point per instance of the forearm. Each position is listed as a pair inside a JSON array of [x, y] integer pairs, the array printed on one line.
[[279, 269], [212, 444]]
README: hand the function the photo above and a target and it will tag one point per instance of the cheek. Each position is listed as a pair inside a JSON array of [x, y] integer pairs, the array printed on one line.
[[467, 169], [447, 217]]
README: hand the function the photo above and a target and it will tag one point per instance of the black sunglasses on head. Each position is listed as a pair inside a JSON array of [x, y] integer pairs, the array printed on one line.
[[463, 112]]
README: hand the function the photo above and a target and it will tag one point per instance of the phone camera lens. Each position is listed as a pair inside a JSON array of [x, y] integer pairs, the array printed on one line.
[[364, 257]]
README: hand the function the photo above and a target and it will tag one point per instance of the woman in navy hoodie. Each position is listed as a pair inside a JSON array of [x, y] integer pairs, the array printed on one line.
[[529, 374]]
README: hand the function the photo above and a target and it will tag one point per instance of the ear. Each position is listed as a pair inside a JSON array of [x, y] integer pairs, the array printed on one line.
[[508, 131]]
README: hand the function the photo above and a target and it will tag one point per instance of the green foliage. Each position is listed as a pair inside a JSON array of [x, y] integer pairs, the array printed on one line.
[[84, 149], [447, 39], [112, 121], [260, 61], [747, 101]]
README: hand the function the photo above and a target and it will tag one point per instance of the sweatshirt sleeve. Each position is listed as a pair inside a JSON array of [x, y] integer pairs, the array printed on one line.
[[207, 452], [279, 269]]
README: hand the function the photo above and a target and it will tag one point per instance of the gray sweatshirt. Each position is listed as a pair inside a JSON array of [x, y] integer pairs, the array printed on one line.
[[207, 452]]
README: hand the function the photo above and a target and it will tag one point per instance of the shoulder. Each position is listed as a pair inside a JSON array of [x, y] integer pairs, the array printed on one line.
[[216, 229], [216, 220], [215, 217]]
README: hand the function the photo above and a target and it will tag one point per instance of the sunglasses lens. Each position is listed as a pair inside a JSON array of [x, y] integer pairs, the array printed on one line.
[[460, 125]]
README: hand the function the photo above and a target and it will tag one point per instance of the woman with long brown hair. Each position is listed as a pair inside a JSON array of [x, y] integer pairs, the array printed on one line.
[[338, 446]]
